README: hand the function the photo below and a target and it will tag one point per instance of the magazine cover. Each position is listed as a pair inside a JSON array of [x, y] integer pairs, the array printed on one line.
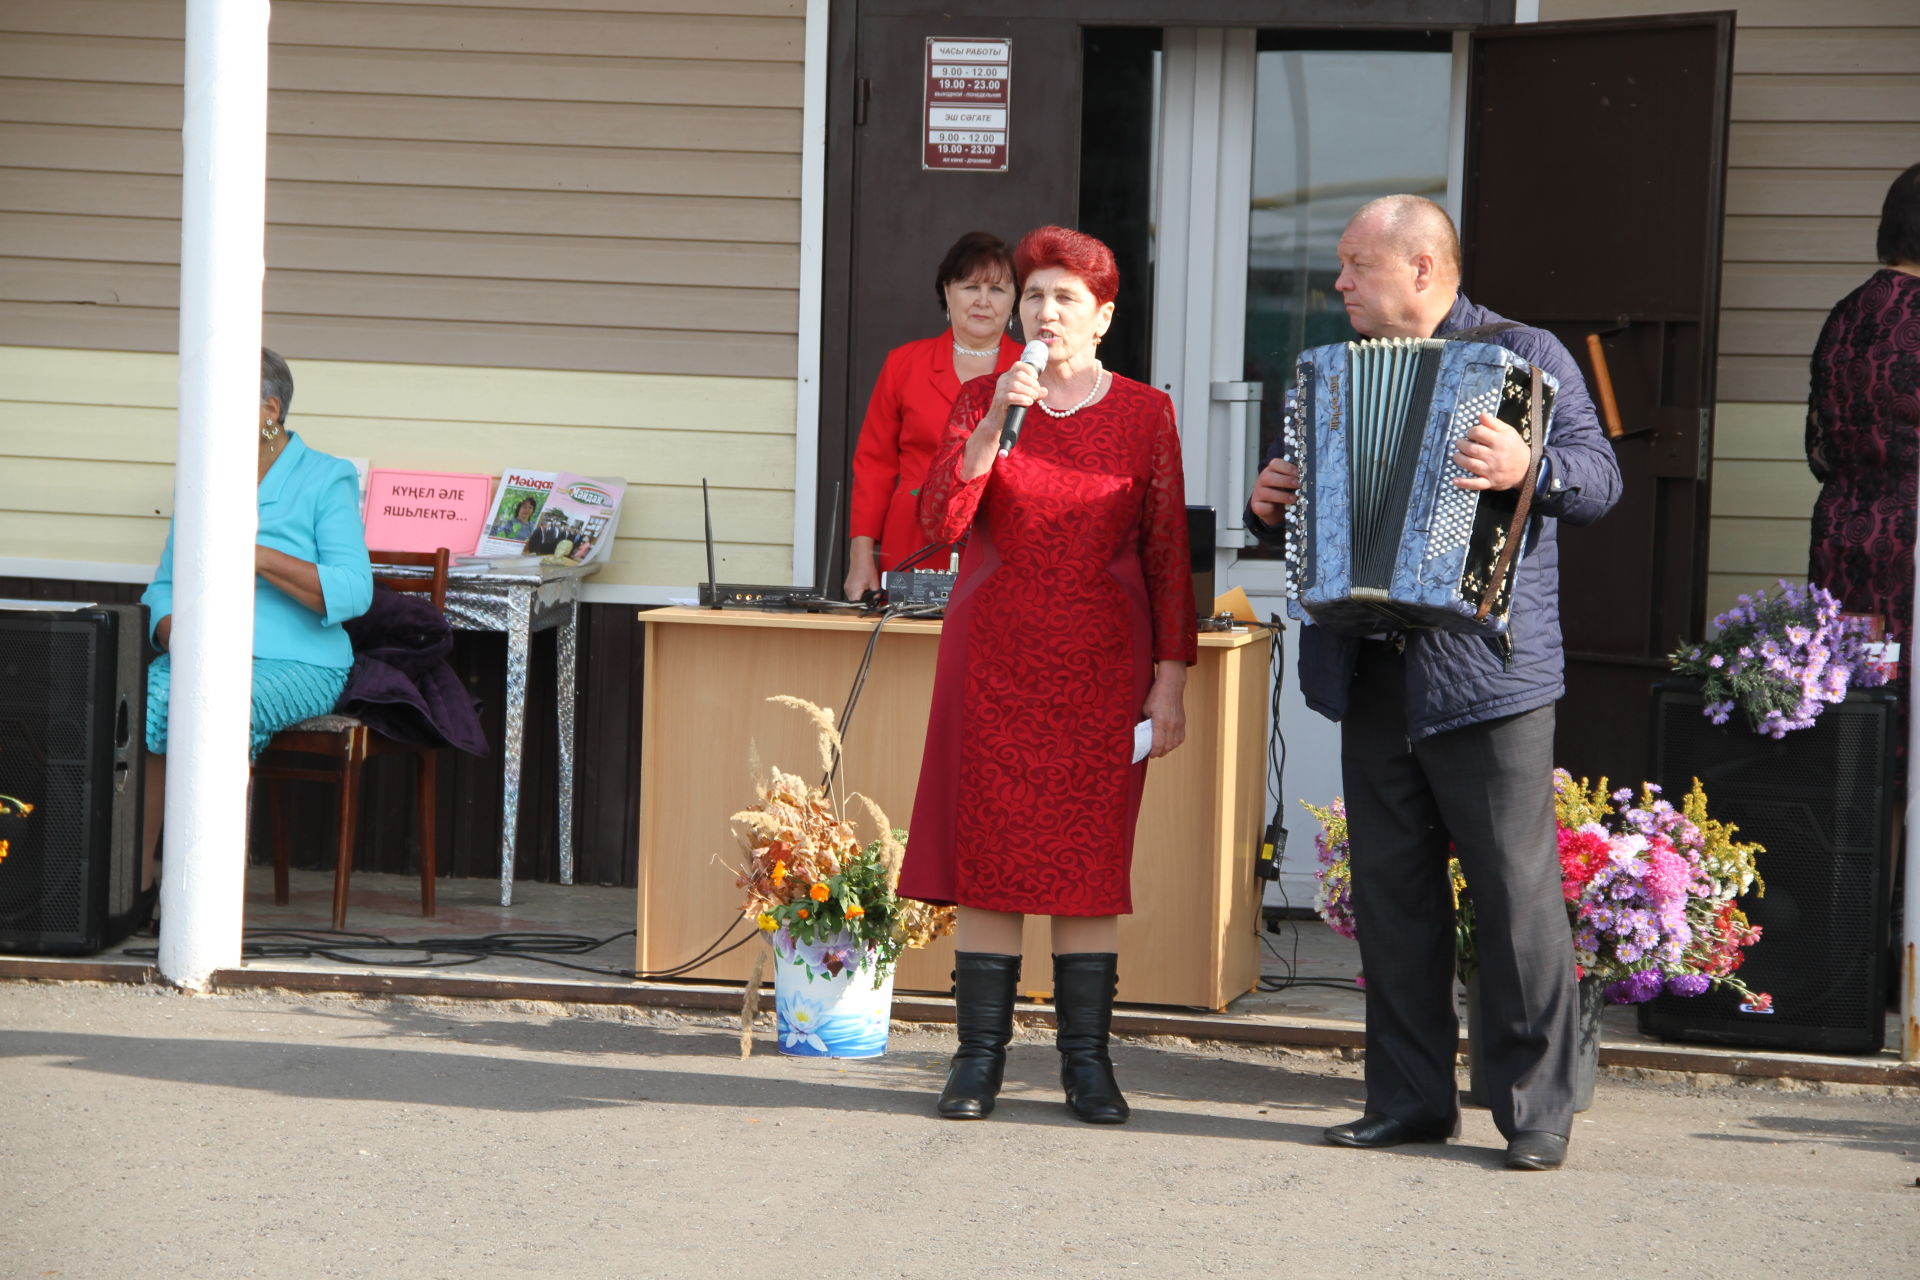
[[577, 523], [516, 512]]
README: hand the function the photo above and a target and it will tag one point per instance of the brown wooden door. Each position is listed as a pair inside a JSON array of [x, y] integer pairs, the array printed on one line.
[[890, 220], [1595, 171]]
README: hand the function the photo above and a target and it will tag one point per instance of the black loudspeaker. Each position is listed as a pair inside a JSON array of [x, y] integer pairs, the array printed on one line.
[[1821, 800], [72, 730], [1200, 558]]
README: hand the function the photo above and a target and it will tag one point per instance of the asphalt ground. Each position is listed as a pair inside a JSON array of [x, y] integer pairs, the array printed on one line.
[[151, 1133]]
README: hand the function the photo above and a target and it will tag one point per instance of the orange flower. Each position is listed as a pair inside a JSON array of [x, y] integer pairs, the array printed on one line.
[[803, 913], [855, 911], [819, 893], [779, 872]]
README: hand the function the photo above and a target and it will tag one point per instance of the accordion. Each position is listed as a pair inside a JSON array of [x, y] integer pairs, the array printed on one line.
[[1380, 539]]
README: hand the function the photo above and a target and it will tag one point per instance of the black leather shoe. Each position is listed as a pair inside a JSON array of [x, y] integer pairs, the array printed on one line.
[[1374, 1130], [984, 986], [1536, 1149], [1083, 989]]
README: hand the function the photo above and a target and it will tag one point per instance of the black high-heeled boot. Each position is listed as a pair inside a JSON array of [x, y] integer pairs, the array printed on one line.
[[983, 992], [1083, 987]]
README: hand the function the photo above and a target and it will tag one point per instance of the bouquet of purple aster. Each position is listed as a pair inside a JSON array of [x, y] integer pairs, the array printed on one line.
[[1780, 657]]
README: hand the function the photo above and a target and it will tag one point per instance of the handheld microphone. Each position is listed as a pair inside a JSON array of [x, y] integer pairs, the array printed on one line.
[[1035, 354]]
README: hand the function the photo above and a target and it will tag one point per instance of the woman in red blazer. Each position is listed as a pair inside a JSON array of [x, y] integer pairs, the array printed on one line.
[[912, 399]]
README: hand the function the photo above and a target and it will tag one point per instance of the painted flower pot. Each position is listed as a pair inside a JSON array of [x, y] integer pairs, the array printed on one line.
[[1586, 1064], [827, 1003]]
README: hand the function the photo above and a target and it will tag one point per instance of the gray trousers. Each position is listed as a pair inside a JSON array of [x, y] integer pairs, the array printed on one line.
[[1487, 789]]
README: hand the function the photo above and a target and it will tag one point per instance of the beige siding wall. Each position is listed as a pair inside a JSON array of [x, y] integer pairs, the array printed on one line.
[[484, 193], [90, 441], [1826, 111]]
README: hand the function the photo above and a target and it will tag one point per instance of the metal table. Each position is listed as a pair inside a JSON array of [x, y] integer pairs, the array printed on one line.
[[520, 602]]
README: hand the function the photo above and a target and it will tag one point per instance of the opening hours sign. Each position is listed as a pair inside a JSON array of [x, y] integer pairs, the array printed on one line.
[[969, 85]]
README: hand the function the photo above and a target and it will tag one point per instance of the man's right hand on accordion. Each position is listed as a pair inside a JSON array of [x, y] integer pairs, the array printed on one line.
[[1493, 455]]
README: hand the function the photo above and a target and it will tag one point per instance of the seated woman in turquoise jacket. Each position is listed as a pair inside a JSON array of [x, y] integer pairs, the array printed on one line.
[[313, 575]]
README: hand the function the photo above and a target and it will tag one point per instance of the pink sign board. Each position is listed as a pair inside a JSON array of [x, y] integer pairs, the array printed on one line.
[[969, 97], [425, 510]]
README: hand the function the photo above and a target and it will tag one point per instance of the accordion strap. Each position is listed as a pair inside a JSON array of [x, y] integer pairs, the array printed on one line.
[[1537, 449]]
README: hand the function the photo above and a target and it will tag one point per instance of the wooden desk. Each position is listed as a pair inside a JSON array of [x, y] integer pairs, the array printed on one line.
[[1192, 938]]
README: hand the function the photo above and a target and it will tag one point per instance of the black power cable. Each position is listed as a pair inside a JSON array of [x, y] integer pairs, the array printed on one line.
[[348, 947]]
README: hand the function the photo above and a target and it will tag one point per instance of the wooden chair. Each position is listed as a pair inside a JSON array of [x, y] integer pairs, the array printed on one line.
[[342, 745]]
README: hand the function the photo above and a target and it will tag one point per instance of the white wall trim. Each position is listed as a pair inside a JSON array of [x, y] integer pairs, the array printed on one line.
[[813, 191], [635, 593], [75, 570], [1457, 125], [1526, 11]]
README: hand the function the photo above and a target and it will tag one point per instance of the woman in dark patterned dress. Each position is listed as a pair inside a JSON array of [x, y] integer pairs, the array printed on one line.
[[1863, 430], [1071, 621]]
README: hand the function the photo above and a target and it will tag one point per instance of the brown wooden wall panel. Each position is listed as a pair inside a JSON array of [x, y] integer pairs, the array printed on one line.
[[1820, 50], [86, 325], [480, 255], [418, 297], [610, 186], [1801, 239], [1791, 285], [1762, 379], [560, 213], [1770, 333], [427, 73], [342, 24], [1830, 97], [477, 118], [1760, 144], [1822, 192], [1753, 13], [489, 165]]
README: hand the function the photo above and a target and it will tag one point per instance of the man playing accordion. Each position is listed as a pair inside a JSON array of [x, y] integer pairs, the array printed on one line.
[[1447, 742]]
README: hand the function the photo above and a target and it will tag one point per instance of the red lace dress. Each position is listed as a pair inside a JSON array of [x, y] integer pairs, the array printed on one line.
[[1075, 581]]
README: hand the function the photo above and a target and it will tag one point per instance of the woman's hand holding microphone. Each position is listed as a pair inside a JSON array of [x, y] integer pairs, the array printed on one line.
[[1019, 385]]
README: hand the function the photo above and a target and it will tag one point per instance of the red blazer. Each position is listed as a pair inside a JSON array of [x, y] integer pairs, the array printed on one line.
[[906, 418]]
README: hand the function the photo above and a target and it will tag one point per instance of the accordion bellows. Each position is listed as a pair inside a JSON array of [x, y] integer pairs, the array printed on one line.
[[1380, 538]]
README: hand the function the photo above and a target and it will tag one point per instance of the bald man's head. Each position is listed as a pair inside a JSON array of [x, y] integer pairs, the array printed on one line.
[[1399, 267], [1415, 225]]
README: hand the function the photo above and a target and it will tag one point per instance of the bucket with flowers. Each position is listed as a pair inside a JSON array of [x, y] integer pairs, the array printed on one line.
[[1651, 891], [827, 903]]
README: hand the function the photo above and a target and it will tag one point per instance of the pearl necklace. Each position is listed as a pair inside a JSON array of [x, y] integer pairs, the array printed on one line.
[[1099, 376], [988, 354]]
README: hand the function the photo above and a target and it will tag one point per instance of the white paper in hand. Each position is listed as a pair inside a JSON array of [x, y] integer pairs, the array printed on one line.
[[1142, 740]]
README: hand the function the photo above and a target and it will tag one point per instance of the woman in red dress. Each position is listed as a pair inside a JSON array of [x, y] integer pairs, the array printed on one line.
[[1863, 431], [1072, 620], [913, 398]]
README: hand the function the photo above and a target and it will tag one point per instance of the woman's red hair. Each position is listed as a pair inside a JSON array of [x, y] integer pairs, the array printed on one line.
[[1072, 251]]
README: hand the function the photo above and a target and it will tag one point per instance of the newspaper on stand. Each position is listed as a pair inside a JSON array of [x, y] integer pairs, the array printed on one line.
[[554, 516]]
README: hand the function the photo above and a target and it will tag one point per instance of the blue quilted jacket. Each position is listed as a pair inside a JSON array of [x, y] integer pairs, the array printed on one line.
[[1455, 680]]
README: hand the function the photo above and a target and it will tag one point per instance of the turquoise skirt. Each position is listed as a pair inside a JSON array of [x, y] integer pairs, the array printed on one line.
[[284, 693]]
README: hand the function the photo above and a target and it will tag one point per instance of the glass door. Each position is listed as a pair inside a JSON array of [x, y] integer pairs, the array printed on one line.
[[1268, 142]]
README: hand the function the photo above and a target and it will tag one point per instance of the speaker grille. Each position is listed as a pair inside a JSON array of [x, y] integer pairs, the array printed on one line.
[[1820, 801], [48, 745]]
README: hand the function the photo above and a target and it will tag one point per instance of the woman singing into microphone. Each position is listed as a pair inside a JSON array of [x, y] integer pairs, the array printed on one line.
[[1072, 621]]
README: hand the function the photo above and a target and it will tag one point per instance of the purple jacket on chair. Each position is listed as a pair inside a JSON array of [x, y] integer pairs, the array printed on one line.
[[401, 684]]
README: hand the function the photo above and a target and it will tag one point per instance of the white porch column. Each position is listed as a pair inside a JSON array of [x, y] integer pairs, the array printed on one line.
[[222, 268]]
